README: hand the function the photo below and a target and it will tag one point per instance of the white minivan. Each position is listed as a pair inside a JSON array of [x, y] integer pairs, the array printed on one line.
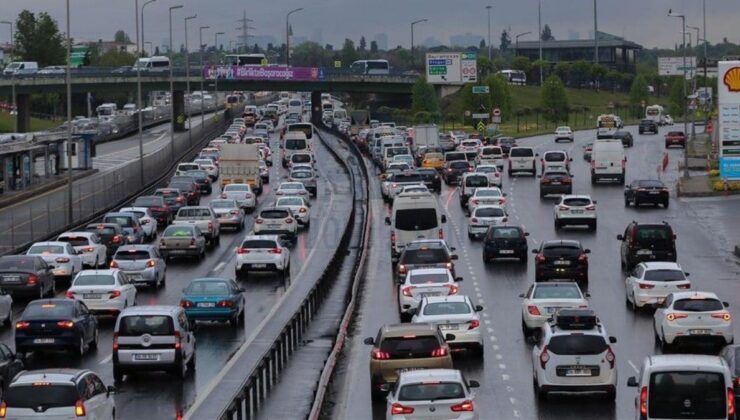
[[608, 161], [18, 68], [523, 159], [414, 216]]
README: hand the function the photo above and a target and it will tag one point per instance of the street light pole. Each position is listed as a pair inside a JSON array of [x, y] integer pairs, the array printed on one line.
[[539, 34], [12, 76], [138, 95], [187, 78], [287, 34], [70, 216], [215, 87], [172, 87], [488, 8], [142, 21], [685, 110], [412, 39], [596, 35], [704, 17], [202, 71], [516, 41]]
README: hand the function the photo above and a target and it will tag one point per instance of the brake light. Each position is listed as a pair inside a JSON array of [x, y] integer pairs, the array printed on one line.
[[591, 207], [151, 263], [62, 260], [723, 315], [180, 199], [210, 226], [288, 220], [646, 286], [675, 316], [143, 222], [610, 357], [69, 295], [539, 259], [544, 357], [505, 219], [22, 325], [32, 280], [407, 291], [684, 286], [593, 164], [474, 324], [623, 163], [248, 195], [401, 269], [452, 289], [393, 238], [533, 310], [116, 239], [114, 294], [115, 341], [563, 208], [473, 220], [643, 401], [545, 180], [225, 304], [449, 265], [439, 352], [440, 234], [466, 405], [161, 242], [397, 408], [476, 201], [80, 409], [66, 324], [380, 355], [276, 251], [302, 210], [186, 303], [178, 340], [730, 403], [3, 409], [567, 180], [258, 221], [583, 258]]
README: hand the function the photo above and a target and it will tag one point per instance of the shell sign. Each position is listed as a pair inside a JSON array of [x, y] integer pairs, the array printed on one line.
[[732, 79]]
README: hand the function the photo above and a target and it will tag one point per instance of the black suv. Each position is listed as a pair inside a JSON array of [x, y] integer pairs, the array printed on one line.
[[505, 242], [647, 242], [431, 178], [454, 170], [425, 253], [626, 137], [561, 260], [111, 235], [648, 126], [202, 179], [646, 191]]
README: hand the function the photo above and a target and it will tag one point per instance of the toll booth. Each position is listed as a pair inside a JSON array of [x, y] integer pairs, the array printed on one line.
[[79, 149]]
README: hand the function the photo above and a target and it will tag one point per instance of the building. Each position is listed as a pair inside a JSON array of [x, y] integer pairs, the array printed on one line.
[[5, 50], [105, 46], [614, 52], [382, 40]]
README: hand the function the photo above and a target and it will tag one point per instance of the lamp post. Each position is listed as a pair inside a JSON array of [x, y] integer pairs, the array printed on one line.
[[70, 218], [287, 34], [12, 76], [596, 35], [539, 34], [412, 39], [151, 46], [187, 78], [516, 41], [488, 8], [142, 21], [685, 113], [202, 71], [138, 94], [172, 86], [704, 17], [215, 87]]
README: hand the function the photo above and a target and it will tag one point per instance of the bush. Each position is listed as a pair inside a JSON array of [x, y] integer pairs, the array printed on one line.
[[731, 186]]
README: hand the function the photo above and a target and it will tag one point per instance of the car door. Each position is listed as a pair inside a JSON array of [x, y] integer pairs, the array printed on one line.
[[624, 246], [189, 342], [633, 277], [100, 252], [127, 289], [44, 273], [74, 257], [86, 320], [100, 402]]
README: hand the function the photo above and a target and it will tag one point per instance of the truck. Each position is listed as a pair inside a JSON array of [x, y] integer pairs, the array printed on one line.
[[240, 164], [606, 126], [426, 135]]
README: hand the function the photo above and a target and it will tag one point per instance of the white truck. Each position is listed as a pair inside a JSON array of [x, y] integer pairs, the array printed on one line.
[[240, 164], [426, 135]]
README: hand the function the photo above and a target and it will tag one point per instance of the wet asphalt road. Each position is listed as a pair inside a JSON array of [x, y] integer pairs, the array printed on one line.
[[705, 230]]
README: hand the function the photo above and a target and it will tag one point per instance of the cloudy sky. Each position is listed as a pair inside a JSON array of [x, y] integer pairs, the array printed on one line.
[[642, 21]]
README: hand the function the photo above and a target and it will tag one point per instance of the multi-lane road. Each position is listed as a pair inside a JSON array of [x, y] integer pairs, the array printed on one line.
[[505, 373]]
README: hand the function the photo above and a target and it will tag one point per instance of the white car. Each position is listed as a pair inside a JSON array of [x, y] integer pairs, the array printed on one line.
[[208, 166], [453, 315], [542, 300], [299, 206], [491, 196], [88, 246], [575, 210], [484, 216], [555, 160], [424, 282], [61, 256], [491, 155], [417, 189], [405, 158], [424, 393], [242, 193], [470, 145], [667, 120], [563, 133], [276, 221], [228, 213], [650, 282], [692, 316], [292, 188], [495, 178], [262, 253], [103, 291], [146, 219]]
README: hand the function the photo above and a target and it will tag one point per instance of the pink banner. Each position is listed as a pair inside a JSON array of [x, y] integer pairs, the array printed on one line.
[[263, 73]]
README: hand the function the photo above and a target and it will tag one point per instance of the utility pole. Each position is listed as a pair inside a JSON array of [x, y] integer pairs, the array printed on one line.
[[70, 216], [707, 104], [12, 76], [685, 110], [202, 77], [596, 35], [138, 96], [539, 35], [412, 39], [516, 41], [189, 102], [488, 8], [215, 83], [245, 31], [287, 34]]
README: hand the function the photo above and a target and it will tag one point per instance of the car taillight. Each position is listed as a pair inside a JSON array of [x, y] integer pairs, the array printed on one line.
[[80, 409], [533, 310], [223, 195], [473, 220], [393, 238], [610, 357], [730, 403], [674, 316], [143, 222], [186, 303], [225, 304], [505, 219], [234, 212], [3, 409], [22, 325], [623, 163], [248, 195], [449, 170], [466, 405], [380, 355], [32, 279], [583, 258], [115, 341], [440, 234], [180, 199], [302, 210], [539, 259], [178, 339], [407, 291], [563, 208], [210, 226], [646, 286], [276, 251], [545, 180], [259, 221], [62, 260], [161, 242], [643, 401], [591, 207], [151, 263], [449, 265], [476, 202], [116, 239], [722, 315], [401, 269], [684, 286], [593, 164], [452, 289], [397, 408], [69, 295], [474, 324], [439, 352], [66, 324], [544, 357]]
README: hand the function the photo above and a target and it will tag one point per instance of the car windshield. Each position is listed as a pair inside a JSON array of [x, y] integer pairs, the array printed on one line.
[[300, 175], [46, 249], [148, 202], [664, 275], [506, 233], [236, 187], [208, 288], [698, 305], [121, 220], [489, 212], [431, 391], [74, 240], [136, 325], [41, 396], [491, 151], [274, 214], [416, 219], [407, 178], [424, 256], [446, 308], [182, 186], [137, 213], [476, 181], [428, 278], [557, 251], [521, 152], [687, 395], [295, 144], [95, 280], [486, 169], [48, 310], [223, 204], [186, 231], [410, 346], [131, 255], [552, 291], [577, 344], [298, 158], [577, 202]]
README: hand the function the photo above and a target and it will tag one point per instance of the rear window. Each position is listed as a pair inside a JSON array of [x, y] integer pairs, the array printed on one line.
[[650, 184], [103, 230], [410, 347], [476, 181], [289, 201], [131, 255], [394, 151], [295, 144], [182, 186], [44, 249], [654, 234], [223, 204], [301, 175], [428, 278], [148, 202], [675, 133], [447, 308], [407, 178], [491, 151], [488, 193], [121, 220], [545, 291], [577, 344], [74, 240], [95, 280], [136, 325], [36, 310], [555, 157], [424, 256], [259, 243], [300, 158], [193, 213], [178, 231], [489, 212], [698, 305], [664, 275], [274, 214], [41, 396], [517, 152], [167, 193], [236, 187], [431, 391], [454, 156], [687, 395], [557, 251], [208, 288], [416, 219], [459, 165], [506, 233], [577, 202]]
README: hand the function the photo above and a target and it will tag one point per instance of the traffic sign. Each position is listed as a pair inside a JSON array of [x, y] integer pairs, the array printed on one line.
[[481, 116], [337, 64], [263, 62], [481, 126], [467, 113], [496, 112], [478, 90], [642, 103]]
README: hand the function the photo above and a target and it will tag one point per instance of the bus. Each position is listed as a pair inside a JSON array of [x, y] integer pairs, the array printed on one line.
[[656, 113], [244, 59], [606, 125], [370, 67], [514, 77]]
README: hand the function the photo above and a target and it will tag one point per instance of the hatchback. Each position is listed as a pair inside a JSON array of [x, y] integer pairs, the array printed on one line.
[[432, 393], [213, 299]]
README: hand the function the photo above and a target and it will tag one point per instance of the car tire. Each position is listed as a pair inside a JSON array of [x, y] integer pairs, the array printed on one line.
[[539, 392], [665, 204], [592, 226], [117, 374], [664, 346], [375, 394], [526, 331], [202, 255], [94, 343], [610, 395], [626, 202], [8, 319], [479, 351], [181, 372], [557, 224], [191, 362], [471, 236], [80, 349], [593, 180]]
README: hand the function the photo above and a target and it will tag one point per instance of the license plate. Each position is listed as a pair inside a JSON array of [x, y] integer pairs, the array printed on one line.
[[146, 356], [448, 327], [429, 294], [273, 226], [43, 340], [506, 251], [578, 372], [92, 296], [644, 252], [12, 279], [206, 304], [577, 211], [700, 332], [555, 183], [136, 277], [177, 251], [561, 262], [259, 265], [654, 192]]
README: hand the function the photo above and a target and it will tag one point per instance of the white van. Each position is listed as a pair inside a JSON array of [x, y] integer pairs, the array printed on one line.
[[522, 159], [608, 160], [492, 155], [295, 106], [392, 150], [414, 216], [19, 68], [157, 63], [295, 142], [339, 116]]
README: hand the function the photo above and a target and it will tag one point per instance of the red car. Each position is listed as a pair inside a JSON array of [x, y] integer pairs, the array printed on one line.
[[675, 138]]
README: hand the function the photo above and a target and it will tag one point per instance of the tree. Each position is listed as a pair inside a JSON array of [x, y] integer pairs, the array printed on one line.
[[329, 47], [484, 65], [505, 41], [38, 39], [580, 71], [363, 44], [615, 78], [121, 37], [546, 34], [482, 45], [676, 97], [309, 54], [500, 94], [599, 71], [522, 63], [423, 97], [156, 50], [114, 58], [373, 47], [554, 99], [349, 55], [562, 69], [638, 92], [498, 63]]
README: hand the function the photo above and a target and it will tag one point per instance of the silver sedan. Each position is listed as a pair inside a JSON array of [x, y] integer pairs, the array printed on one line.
[[228, 213]]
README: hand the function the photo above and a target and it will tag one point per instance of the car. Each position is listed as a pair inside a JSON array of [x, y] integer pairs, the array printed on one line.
[[23, 275], [60, 257], [386, 181], [646, 242], [299, 206], [625, 136], [399, 167], [56, 324], [573, 354], [189, 189], [491, 196], [495, 179], [228, 213], [142, 264], [522, 159], [129, 223], [692, 317], [561, 259], [646, 191], [491, 155], [431, 179], [110, 234], [675, 138], [59, 394], [587, 150], [10, 365], [454, 314], [731, 355], [424, 282], [202, 179], [103, 291], [667, 120], [573, 210], [564, 133], [647, 126], [276, 221], [454, 170], [264, 172], [397, 181], [433, 160], [608, 161], [423, 393], [209, 166], [683, 386], [173, 198], [213, 299], [649, 283], [305, 176], [88, 246], [483, 217], [158, 206], [543, 300], [469, 144], [291, 188], [427, 253], [153, 337], [147, 220], [556, 181], [182, 241], [470, 182], [505, 242], [405, 346], [262, 253], [184, 167], [204, 218], [555, 159], [243, 194], [506, 144], [302, 158]]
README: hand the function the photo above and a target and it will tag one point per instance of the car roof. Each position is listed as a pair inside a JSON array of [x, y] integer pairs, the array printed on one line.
[[418, 375], [58, 243], [488, 206], [82, 233], [433, 243], [54, 375], [94, 271], [400, 330], [660, 265], [694, 294], [150, 310], [685, 362], [260, 237]]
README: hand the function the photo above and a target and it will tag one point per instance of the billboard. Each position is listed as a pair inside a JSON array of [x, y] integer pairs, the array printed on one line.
[[263, 73], [673, 66], [451, 68], [729, 119]]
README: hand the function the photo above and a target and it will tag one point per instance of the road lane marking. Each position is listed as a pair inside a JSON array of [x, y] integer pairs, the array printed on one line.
[[218, 267], [502, 366], [633, 366], [106, 360]]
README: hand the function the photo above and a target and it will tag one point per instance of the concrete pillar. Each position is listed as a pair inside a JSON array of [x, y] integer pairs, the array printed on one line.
[[316, 108], [47, 163], [23, 104], [178, 102]]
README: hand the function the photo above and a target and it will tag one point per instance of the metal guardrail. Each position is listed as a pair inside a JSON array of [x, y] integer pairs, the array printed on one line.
[[251, 374]]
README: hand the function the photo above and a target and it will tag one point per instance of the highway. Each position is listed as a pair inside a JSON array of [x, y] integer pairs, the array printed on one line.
[[703, 228], [157, 395]]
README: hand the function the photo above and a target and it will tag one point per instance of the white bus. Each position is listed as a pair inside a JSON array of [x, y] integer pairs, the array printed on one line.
[[656, 113], [370, 67], [514, 77], [244, 59]]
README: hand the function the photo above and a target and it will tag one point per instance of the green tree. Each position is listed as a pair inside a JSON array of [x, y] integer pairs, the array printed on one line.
[[638, 93], [522, 63], [498, 64], [562, 69], [615, 78], [505, 41], [114, 58], [546, 34], [38, 39], [373, 47], [475, 102], [500, 94], [599, 71], [349, 55], [423, 97], [676, 97], [121, 36], [363, 44], [580, 71], [485, 66], [554, 100], [309, 54]]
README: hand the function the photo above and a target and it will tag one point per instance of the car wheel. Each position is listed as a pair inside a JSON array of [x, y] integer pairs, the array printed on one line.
[[665, 204], [191, 362], [557, 224], [592, 226], [626, 202], [471, 236], [94, 342], [234, 322], [80, 350], [526, 331], [539, 392], [117, 374], [181, 371], [664, 346], [479, 351], [610, 395]]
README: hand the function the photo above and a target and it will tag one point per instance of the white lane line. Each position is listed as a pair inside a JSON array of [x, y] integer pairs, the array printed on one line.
[[107, 359], [499, 357], [633, 366], [496, 347], [481, 301], [502, 366], [490, 330], [512, 400], [219, 266], [516, 413], [505, 377]]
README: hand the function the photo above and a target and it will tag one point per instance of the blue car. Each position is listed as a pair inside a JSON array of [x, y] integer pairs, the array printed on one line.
[[56, 324], [213, 299]]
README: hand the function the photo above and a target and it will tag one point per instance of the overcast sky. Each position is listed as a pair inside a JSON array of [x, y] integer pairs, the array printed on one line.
[[642, 21]]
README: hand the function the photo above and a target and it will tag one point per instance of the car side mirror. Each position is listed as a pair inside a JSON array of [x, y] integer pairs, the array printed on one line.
[[388, 220], [612, 339], [632, 382], [521, 295], [449, 337], [526, 233], [536, 154], [473, 384], [444, 218], [588, 295], [369, 341], [478, 308], [505, 194], [726, 304], [686, 274], [620, 237], [454, 257], [458, 279], [452, 248], [111, 390], [674, 236], [594, 202], [534, 251], [384, 387], [539, 176], [570, 159], [586, 251]]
